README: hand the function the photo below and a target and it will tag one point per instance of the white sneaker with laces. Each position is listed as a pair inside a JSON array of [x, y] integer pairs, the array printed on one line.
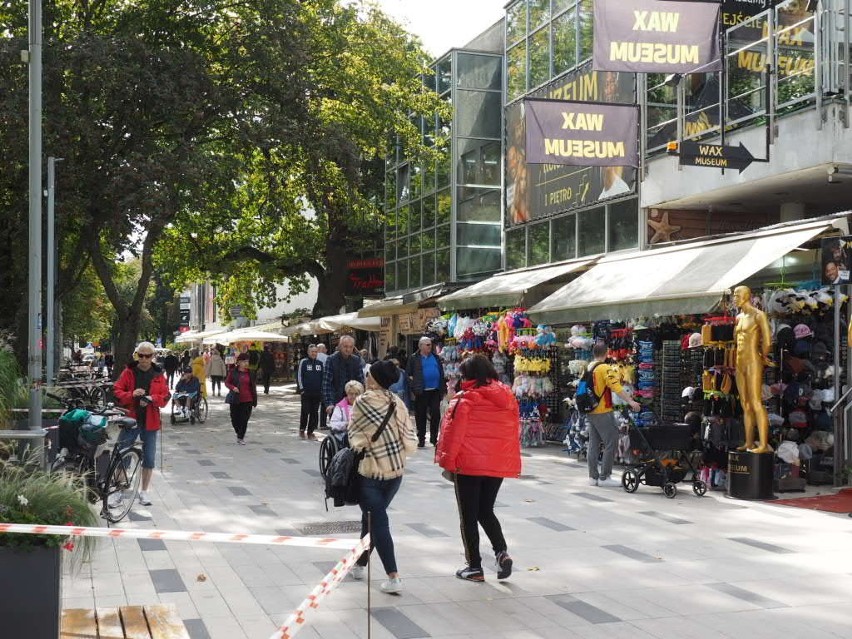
[[143, 498], [392, 586], [610, 482], [115, 499], [358, 572], [593, 481]]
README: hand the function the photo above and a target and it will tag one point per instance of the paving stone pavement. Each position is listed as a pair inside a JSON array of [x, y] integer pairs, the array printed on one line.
[[589, 562]]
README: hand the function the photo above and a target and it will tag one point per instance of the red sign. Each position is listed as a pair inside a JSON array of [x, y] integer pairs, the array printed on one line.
[[366, 277]]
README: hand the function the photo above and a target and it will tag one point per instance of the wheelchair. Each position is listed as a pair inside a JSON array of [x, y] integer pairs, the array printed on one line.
[[195, 412], [332, 443]]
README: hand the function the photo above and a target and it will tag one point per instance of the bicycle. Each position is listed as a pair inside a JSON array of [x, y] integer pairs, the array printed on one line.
[[112, 477]]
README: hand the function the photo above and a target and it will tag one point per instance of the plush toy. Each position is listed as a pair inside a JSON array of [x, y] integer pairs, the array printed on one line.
[[545, 336]]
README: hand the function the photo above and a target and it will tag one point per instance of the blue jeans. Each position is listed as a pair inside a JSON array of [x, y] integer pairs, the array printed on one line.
[[376, 496], [127, 437]]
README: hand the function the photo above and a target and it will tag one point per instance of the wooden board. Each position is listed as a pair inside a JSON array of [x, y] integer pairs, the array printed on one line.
[[135, 626], [109, 624], [165, 622], [78, 623]]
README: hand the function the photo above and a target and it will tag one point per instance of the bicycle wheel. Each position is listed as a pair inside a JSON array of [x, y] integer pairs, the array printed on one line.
[[97, 397], [328, 448], [122, 484], [201, 410]]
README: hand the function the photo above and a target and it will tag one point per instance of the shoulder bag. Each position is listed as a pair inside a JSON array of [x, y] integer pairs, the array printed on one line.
[[233, 397]]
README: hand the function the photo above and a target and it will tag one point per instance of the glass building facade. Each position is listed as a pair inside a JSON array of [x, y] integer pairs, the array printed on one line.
[[445, 221], [555, 213]]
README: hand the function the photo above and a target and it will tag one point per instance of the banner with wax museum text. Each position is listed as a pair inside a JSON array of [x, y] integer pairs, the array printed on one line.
[[581, 133], [656, 36]]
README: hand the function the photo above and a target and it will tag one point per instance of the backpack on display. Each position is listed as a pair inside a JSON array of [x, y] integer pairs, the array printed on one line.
[[586, 398]]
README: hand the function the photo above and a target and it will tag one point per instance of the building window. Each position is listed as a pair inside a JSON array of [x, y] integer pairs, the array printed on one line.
[[539, 12], [591, 234], [564, 237], [516, 22], [442, 266], [516, 249], [472, 262], [478, 71], [516, 71], [565, 42], [539, 45], [428, 268], [539, 244], [478, 235], [587, 26], [624, 225]]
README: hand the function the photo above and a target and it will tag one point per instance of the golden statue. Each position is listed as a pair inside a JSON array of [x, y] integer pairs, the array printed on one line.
[[753, 341]]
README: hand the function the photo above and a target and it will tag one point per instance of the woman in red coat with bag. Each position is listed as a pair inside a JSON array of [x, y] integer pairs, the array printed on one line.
[[480, 443]]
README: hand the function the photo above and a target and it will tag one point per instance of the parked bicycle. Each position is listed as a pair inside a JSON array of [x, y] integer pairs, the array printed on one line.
[[112, 474]]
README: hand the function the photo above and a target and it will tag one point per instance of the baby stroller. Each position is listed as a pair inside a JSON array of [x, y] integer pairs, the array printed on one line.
[[192, 409], [331, 443], [664, 461], [577, 431]]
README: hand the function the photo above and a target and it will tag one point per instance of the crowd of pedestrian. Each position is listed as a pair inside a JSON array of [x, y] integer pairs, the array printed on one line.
[[366, 404]]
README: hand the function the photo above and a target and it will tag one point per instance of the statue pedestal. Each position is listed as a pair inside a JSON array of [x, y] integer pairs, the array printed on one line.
[[750, 475]]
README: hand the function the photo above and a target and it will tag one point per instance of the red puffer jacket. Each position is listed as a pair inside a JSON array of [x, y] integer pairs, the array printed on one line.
[[480, 432], [159, 392]]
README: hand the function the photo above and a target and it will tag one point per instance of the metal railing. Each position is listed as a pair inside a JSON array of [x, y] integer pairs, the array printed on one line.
[[807, 57]]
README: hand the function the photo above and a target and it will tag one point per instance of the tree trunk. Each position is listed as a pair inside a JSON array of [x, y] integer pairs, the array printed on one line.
[[332, 286], [126, 332]]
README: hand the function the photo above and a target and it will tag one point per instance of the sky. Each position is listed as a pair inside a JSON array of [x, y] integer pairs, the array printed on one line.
[[444, 24]]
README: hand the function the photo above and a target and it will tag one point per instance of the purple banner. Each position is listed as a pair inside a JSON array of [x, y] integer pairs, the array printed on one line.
[[656, 36], [581, 133]]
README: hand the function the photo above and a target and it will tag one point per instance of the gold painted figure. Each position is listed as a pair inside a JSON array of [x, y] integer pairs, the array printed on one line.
[[754, 342]]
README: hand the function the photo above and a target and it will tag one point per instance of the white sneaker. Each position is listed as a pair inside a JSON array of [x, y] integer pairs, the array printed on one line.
[[143, 498], [358, 572], [610, 482], [115, 500], [392, 586], [593, 481]]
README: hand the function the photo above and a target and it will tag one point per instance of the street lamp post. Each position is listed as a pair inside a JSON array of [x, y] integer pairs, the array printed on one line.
[[34, 341], [50, 350]]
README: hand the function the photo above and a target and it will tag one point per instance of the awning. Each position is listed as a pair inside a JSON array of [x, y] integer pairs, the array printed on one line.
[[188, 337], [333, 323], [685, 279], [249, 335], [387, 307], [510, 288], [305, 328]]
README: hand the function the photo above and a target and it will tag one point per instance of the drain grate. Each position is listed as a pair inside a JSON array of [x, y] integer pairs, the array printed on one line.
[[330, 527]]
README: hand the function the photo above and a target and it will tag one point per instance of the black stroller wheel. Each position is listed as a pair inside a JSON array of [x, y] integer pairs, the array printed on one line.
[[699, 488], [630, 481], [670, 490], [328, 449]]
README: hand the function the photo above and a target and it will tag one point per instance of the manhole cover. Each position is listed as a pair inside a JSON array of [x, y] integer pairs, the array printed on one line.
[[330, 527]]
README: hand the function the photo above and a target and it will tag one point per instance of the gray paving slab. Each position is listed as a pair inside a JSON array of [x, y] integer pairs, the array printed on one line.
[[581, 554], [151, 544], [239, 491]]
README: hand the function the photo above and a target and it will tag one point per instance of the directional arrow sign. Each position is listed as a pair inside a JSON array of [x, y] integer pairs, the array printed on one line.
[[715, 155]]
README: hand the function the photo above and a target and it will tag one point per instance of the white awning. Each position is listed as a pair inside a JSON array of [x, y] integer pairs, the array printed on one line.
[[250, 335], [510, 288], [685, 279], [332, 323], [188, 337]]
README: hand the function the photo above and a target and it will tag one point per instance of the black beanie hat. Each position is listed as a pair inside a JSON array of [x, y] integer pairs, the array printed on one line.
[[385, 373]]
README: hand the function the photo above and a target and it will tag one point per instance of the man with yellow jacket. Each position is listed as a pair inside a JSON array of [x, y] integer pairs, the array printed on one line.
[[603, 427]]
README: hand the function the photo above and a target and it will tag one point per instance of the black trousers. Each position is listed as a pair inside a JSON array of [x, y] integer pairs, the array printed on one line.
[[265, 378], [170, 375], [475, 497], [240, 414], [427, 403], [216, 381], [309, 417]]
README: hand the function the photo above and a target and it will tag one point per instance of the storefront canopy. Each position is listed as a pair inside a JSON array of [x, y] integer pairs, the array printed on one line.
[[689, 278], [334, 323], [508, 289], [198, 336], [249, 335]]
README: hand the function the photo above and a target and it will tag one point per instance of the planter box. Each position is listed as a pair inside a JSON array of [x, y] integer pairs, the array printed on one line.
[[30, 592]]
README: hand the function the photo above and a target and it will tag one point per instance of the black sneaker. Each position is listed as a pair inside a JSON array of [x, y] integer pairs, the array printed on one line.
[[503, 564], [470, 574], [421, 444]]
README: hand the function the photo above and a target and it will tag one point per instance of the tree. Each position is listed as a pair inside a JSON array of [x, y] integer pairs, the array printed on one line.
[[307, 204]]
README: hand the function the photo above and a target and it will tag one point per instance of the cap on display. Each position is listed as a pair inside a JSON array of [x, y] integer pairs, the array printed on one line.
[[802, 330]]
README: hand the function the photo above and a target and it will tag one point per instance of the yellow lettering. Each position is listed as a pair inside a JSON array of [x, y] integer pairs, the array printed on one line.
[[654, 52], [582, 121], [586, 149], [655, 21]]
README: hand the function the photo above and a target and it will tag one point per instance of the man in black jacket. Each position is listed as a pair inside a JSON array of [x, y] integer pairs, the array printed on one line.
[[309, 384], [342, 367], [427, 382], [170, 363], [266, 366]]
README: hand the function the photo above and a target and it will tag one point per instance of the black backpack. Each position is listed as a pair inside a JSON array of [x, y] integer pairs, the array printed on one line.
[[342, 481], [586, 398]]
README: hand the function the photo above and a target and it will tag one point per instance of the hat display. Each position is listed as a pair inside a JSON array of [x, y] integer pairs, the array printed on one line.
[[798, 419], [695, 340], [802, 331]]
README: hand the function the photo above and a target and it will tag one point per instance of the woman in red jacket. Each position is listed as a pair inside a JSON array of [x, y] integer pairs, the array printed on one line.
[[480, 443]]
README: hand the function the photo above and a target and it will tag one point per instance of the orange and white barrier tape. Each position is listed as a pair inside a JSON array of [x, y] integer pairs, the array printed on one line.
[[177, 535], [296, 620]]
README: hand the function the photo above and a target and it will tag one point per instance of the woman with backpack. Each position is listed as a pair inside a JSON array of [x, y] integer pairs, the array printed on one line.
[[381, 430], [480, 445]]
